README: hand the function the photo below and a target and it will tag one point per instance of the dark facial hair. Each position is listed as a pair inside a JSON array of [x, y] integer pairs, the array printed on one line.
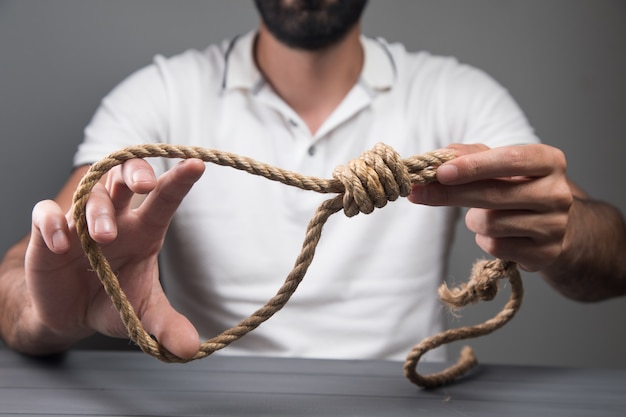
[[310, 24]]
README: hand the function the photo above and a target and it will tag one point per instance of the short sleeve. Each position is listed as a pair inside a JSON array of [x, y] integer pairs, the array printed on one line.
[[134, 112]]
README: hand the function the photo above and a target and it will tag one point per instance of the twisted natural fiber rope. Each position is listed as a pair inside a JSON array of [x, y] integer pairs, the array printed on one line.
[[483, 285], [377, 176]]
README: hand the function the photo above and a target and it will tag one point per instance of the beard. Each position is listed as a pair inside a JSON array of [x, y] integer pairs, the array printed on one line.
[[310, 24]]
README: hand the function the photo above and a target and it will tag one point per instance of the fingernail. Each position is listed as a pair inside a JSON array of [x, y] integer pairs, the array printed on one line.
[[103, 225], [59, 240], [142, 175], [447, 173]]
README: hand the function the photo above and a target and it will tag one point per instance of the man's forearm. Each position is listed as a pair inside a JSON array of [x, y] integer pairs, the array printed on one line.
[[592, 266]]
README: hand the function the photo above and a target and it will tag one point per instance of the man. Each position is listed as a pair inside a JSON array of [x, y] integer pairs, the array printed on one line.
[[305, 92]]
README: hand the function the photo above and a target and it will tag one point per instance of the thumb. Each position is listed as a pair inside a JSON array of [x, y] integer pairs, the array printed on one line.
[[171, 329]]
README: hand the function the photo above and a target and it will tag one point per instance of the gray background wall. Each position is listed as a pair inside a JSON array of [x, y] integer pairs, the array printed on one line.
[[563, 60]]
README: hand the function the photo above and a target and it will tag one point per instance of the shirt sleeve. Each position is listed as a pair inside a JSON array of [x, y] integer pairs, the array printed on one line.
[[134, 112], [475, 108]]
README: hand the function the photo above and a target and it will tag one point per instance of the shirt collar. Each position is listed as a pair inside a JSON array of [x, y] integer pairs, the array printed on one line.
[[241, 72]]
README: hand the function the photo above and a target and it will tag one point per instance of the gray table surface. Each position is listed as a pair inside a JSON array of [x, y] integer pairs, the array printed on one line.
[[118, 383]]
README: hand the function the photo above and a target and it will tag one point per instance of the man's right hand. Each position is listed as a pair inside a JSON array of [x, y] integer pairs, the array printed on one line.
[[66, 300]]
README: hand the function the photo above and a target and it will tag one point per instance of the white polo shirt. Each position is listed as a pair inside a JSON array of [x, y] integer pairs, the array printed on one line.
[[371, 290]]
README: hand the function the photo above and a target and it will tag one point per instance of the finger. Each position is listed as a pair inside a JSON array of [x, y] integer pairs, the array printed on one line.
[[172, 187], [158, 318], [530, 255], [134, 176], [173, 330], [100, 214], [504, 162], [49, 227], [540, 227], [145, 293], [492, 194], [533, 240], [542, 194]]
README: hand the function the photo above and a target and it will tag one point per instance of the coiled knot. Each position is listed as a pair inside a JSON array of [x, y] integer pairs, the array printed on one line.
[[376, 177]]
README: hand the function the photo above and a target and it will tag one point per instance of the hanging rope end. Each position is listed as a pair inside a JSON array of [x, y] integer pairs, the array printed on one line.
[[466, 361]]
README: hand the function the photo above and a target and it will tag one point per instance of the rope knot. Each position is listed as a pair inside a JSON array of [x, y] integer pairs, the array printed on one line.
[[482, 285], [374, 178]]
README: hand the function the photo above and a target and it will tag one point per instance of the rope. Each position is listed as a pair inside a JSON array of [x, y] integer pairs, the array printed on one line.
[[483, 285], [366, 183]]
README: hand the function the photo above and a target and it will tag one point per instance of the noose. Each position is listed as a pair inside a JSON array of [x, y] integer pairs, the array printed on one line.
[[366, 183]]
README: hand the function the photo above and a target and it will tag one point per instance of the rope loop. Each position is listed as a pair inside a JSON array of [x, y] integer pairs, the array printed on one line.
[[369, 182]]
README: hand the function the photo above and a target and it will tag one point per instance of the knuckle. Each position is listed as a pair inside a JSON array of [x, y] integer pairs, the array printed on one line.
[[516, 157], [472, 167], [563, 197], [558, 158]]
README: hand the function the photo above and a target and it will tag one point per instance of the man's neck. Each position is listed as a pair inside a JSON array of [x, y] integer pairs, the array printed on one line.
[[313, 83]]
